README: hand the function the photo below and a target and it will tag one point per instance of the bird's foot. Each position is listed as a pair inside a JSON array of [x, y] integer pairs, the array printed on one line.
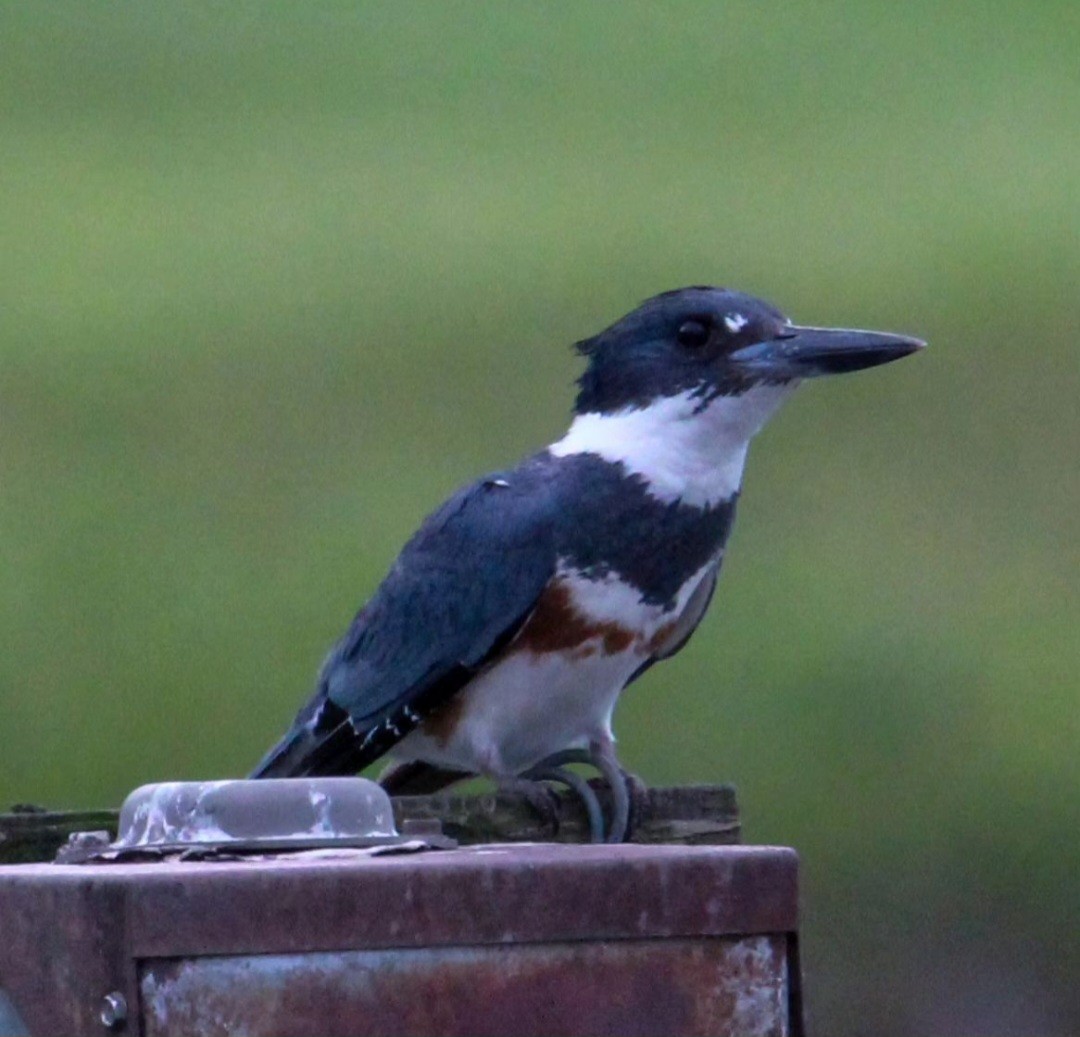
[[553, 770], [627, 790], [539, 795]]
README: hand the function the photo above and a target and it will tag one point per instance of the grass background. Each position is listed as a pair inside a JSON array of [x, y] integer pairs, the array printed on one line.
[[276, 278]]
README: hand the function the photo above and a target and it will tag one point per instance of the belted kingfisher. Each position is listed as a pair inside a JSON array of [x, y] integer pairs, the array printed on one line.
[[511, 621]]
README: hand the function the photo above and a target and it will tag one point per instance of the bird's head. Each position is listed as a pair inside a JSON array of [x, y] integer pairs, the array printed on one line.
[[675, 390], [707, 343]]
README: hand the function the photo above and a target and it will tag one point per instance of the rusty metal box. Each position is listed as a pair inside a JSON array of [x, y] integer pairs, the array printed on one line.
[[506, 939]]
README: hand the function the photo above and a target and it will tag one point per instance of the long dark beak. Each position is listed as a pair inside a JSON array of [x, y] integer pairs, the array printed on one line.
[[809, 352]]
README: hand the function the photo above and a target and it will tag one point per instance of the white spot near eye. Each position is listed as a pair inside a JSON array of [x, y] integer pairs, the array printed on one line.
[[735, 322]]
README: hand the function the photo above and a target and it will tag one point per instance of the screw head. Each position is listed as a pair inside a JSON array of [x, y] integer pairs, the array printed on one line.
[[114, 1010]]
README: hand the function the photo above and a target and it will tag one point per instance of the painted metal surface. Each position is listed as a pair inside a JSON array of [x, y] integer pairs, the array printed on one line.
[[11, 1024], [438, 926], [688, 987]]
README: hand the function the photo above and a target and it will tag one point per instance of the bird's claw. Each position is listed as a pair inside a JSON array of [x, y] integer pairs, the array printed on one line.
[[550, 770], [626, 789]]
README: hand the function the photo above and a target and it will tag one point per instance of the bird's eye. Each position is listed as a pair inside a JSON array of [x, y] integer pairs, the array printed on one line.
[[693, 334]]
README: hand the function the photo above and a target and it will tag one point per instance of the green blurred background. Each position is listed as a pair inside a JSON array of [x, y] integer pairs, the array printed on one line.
[[275, 278]]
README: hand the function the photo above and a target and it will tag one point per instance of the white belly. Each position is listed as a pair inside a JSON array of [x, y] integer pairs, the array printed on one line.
[[544, 695], [524, 709]]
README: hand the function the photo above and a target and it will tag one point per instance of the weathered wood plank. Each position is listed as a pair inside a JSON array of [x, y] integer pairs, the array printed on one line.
[[690, 815], [28, 835]]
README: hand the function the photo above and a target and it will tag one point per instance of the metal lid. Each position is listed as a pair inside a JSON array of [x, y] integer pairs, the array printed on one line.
[[270, 814]]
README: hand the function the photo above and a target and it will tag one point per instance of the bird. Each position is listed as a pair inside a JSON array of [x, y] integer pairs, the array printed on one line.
[[503, 635]]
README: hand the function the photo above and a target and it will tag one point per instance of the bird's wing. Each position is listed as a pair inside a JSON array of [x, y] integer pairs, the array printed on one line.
[[457, 594]]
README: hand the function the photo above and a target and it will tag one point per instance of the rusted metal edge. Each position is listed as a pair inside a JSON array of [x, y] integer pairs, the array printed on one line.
[[476, 895], [684, 815], [76, 935]]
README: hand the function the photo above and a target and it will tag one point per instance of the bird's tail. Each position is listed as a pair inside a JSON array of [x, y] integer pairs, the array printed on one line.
[[320, 743], [289, 758]]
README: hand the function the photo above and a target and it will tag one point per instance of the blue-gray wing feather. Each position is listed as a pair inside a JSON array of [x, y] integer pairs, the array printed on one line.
[[458, 592]]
